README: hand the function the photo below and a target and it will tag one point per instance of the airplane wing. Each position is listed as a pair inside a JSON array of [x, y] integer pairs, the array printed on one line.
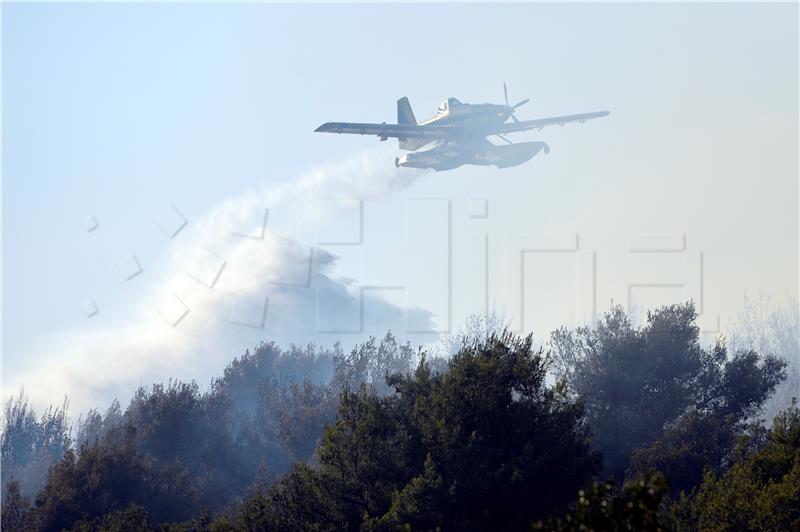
[[384, 131], [525, 125]]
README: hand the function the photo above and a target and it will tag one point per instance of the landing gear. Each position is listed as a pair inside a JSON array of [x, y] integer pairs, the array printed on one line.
[[397, 162]]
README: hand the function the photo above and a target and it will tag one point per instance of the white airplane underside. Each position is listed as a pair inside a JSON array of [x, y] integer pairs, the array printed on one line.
[[456, 135], [453, 155]]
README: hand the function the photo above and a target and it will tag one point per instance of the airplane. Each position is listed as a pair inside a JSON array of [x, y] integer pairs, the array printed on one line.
[[456, 134]]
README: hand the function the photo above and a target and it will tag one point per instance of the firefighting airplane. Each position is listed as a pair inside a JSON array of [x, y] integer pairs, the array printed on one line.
[[456, 134]]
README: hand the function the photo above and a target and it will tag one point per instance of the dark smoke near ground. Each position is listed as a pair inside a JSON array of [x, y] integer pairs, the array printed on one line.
[[607, 427]]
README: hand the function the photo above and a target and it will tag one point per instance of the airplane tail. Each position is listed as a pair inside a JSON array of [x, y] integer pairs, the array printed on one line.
[[404, 113], [406, 116]]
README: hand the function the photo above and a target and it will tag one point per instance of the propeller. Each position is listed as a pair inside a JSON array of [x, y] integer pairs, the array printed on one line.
[[512, 108]]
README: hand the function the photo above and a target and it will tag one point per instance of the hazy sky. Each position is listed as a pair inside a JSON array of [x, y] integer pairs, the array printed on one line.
[[145, 117]]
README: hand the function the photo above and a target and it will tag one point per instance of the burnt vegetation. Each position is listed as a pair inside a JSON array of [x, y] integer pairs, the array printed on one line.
[[607, 427]]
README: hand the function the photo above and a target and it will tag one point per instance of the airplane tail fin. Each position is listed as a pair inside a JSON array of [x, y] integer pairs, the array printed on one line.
[[404, 113], [406, 116]]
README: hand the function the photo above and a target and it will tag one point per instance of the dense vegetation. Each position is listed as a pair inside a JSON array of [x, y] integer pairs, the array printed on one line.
[[609, 427]]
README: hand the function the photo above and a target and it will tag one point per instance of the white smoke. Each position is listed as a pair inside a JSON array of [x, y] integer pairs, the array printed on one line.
[[773, 327], [247, 271]]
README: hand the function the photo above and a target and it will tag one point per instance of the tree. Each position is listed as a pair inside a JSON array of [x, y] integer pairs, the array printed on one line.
[[705, 436], [478, 326], [638, 381], [759, 492], [30, 445], [370, 363], [108, 477], [298, 413], [133, 518], [299, 501], [604, 507], [487, 444], [16, 509], [689, 445], [178, 424], [95, 426]]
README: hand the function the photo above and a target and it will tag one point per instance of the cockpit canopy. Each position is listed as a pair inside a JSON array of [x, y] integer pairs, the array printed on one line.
[[448, 104]]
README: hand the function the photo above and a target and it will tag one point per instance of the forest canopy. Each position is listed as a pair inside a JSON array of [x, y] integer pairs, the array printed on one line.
[[611, 426]]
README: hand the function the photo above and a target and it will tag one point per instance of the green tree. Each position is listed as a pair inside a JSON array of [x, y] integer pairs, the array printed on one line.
[[108, 477], [603, 507], [639, 382], [297, 414], [761, 491], [705, 436], [485, 445], [689, 445], [16, 509], [133, 518], [176, 423]]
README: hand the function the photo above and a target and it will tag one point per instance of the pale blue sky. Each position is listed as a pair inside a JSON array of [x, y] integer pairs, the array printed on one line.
[[118, 111]]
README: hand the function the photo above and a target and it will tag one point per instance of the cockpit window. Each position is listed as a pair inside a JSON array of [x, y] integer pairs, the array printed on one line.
[[443, 106]]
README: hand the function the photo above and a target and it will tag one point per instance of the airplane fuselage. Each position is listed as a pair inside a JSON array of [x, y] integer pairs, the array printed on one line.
[[475, 117]]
